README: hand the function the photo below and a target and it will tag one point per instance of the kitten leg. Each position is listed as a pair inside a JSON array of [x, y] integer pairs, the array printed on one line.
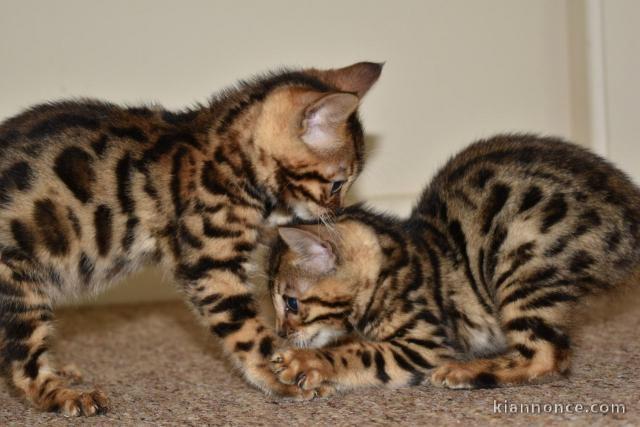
[[394, 363], [26, 323], [211, 265], [216, 284], [536, 329], [229, 309], [530, 359]]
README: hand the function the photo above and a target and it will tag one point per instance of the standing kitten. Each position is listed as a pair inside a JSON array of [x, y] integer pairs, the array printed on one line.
[[91, 191], [479, 283]]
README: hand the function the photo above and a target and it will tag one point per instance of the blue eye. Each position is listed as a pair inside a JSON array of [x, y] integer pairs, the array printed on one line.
[[337, 186], [292, 304]]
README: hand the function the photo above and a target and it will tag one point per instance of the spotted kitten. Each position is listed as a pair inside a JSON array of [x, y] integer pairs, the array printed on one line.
[[91, 191], [477, 287]]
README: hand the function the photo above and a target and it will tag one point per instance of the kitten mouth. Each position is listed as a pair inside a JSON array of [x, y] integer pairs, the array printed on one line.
[[298, 341], [313, 337], [317, 340]]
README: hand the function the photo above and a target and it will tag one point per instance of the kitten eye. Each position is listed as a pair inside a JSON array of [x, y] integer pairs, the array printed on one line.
[[292, 304], [337, 186]]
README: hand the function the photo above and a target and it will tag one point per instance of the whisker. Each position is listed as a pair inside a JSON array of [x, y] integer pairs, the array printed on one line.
[[328, 220]]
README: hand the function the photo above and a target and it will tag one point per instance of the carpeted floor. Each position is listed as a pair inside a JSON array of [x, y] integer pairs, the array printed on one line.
[[159, 367]]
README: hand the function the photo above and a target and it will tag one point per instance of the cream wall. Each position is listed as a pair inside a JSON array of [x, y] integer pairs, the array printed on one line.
[[456, 70], [621, 60]]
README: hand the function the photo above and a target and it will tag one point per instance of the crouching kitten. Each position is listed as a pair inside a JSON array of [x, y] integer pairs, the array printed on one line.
[[477, 288]]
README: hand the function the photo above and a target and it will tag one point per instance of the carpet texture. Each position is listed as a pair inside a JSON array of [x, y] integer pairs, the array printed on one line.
[[159, 367]]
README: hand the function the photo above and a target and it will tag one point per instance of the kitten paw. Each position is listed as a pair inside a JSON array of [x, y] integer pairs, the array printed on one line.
[[72, 403], [461, 375], [304, 368], [295, 393]]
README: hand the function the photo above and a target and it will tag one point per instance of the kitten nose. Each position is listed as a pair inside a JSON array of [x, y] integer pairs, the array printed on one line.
[[282, 333]]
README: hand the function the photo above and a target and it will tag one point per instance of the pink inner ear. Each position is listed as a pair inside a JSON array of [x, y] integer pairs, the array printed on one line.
[[313, 253], [323, 117]]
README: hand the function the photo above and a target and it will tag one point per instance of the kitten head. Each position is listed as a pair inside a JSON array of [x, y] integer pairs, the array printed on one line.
[[315, 279], [310, 128]]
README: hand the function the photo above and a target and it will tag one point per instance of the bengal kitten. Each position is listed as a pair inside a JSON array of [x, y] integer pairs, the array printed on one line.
[[477, 287], [91, 191]]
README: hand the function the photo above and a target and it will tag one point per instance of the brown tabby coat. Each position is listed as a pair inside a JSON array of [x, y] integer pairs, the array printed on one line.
[[477, 287], [91, 191]]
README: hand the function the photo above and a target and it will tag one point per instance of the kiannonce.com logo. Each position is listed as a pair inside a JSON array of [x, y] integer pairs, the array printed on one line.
[[507, 407]]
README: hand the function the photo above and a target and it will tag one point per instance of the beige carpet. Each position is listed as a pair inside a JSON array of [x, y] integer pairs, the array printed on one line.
[[159, 367]]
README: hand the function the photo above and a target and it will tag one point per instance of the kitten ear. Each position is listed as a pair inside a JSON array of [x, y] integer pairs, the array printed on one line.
[[322, 119], [357, 78], [314, 254]]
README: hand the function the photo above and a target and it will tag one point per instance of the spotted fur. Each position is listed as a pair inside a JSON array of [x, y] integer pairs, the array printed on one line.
[[477, 288], [91, 191]]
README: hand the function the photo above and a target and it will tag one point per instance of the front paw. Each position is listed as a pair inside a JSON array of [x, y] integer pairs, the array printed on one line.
[[305, 368], [463, 375], [73, 403]]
